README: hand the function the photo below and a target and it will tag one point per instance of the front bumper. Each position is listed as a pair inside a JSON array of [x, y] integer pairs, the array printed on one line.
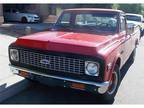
[[33, 19], [90, 86]]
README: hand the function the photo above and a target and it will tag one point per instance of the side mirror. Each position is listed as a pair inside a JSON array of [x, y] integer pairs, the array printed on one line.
[[130, 29]]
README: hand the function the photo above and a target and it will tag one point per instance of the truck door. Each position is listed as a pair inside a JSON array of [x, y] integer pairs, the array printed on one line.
[[126, 47], [135, 36]]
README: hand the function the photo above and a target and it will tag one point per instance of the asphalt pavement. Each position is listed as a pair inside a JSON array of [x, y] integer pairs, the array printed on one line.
[[20, 29], [5, 40], [131, 90]]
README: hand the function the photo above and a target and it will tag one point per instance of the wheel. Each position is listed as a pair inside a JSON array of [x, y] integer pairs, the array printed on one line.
[[132, 56], [142, 33], [114, 84], [24, 20]]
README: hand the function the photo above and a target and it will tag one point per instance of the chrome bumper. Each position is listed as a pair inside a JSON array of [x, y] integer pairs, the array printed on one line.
[[102, 87]]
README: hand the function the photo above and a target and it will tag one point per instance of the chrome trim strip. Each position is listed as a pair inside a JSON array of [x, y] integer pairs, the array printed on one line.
[[103, 84]]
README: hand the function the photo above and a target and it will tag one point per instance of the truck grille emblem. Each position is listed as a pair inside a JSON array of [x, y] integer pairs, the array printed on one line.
[[44, 61]]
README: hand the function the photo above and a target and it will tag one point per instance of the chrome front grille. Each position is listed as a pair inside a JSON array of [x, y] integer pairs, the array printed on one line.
[[55, 62]]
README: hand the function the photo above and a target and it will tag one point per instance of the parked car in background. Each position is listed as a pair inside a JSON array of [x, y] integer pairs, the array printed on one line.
[[136, 19], [85, 50], [131, 26], [19, 16]]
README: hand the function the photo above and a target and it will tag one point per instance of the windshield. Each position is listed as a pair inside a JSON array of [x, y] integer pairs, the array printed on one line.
[[87, 22], [133, 18]]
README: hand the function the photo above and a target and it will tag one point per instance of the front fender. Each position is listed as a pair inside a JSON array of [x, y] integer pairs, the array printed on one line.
[[116, 61]]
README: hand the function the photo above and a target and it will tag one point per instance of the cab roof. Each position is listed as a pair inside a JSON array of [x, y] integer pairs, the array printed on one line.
[[134, 14], [94, 9]]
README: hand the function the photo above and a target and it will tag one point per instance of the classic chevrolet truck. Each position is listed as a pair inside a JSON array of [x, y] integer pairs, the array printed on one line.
[[85, 50]]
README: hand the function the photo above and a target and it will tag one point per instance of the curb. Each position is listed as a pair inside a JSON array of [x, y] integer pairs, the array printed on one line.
[[11, 86]]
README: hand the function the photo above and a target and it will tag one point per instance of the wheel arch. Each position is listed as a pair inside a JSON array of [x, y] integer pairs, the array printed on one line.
[[24, 17], [118, 62]]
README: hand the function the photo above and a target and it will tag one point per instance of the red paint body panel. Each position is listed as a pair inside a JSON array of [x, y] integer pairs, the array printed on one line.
[[80, 43]]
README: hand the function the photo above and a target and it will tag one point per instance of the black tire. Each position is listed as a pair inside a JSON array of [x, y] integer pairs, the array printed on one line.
[[113, 87], [132, 56], [24, 20], [142, 33]]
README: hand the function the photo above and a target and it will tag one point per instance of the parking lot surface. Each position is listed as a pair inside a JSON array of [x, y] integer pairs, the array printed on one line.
[[5, 40]]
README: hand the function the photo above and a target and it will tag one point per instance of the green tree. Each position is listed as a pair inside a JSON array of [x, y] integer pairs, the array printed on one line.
[[115, 6], [142, 11], [93, 5], [131, 8]]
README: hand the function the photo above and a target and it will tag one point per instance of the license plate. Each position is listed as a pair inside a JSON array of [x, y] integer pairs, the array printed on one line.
[[23, 73]]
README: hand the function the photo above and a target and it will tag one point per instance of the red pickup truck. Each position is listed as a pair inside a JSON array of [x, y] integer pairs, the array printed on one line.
[[85, 50]]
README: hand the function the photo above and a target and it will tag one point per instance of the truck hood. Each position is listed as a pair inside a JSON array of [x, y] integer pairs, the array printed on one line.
[[134, 22], [137, 23], [78, 43], [29, 14]]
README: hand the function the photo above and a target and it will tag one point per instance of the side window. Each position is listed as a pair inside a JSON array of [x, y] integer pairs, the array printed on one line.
[[65, 18], [122, 25]]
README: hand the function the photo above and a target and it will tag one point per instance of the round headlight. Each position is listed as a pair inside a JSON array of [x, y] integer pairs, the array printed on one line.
[[14, 55], [92, 68]]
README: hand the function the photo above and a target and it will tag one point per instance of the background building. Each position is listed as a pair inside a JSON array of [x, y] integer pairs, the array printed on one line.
[[49, 12], [1, 14]]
